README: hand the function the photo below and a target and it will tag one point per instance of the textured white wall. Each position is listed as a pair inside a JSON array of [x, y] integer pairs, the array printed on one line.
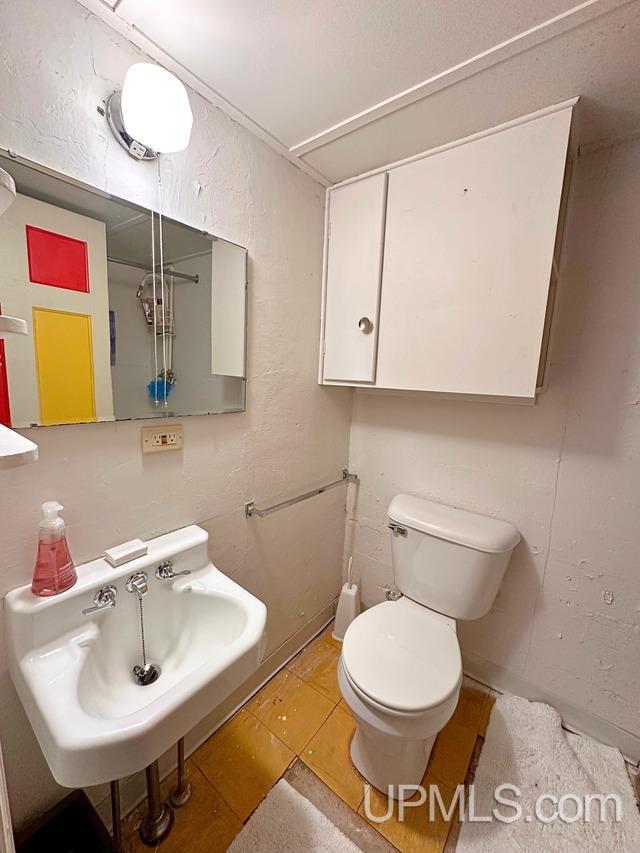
[[565, 473], [58, 64]]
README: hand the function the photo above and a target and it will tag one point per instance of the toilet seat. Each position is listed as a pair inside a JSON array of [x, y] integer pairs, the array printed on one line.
[[363, 697], [403, 656]]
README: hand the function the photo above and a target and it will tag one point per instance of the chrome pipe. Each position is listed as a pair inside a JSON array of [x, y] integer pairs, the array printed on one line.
[[116, 816], [182, 791], [158, 821]]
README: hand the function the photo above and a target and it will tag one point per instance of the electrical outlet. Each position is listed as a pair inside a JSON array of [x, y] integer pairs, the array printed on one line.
[[157, 439]]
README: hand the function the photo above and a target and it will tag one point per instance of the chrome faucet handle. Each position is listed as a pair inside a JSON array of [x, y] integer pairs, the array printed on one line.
[[137, 583], [103, 599], [165, 572]]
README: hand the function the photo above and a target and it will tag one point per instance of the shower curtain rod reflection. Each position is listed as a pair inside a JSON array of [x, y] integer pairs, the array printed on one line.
[[183, 275]]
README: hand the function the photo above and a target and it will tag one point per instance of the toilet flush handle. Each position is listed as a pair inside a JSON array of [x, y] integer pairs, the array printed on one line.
[[397, 529], [391, 593]]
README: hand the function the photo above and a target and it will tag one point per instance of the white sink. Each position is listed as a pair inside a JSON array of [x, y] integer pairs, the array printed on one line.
[[74, 672]]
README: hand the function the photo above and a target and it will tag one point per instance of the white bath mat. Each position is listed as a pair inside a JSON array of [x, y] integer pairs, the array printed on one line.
[[526, 747], [287, 821]]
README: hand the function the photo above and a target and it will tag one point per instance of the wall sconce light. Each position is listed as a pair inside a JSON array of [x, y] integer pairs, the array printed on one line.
[[152, 114]]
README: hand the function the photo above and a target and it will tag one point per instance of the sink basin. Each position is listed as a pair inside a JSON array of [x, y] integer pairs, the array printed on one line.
[[74, 672]]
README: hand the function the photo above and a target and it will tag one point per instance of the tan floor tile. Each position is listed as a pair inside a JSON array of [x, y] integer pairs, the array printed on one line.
[[328, 756], [203, 752], [243, 761], [451, 754], [342, 704], [205, 824], [470, 708], [318, 666], [416, 831], [327, 634], [291, 709], [484, 722]]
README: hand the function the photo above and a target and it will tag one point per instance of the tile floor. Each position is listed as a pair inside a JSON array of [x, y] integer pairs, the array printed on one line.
[[299, 727]]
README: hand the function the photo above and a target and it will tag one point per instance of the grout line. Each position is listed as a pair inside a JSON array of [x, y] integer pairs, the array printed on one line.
[[313, 687], [316, 731], [307, 684]]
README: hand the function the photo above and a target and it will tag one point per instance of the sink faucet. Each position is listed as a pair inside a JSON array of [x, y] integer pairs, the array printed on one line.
[[165, 572], [103, 599], [138, 583]]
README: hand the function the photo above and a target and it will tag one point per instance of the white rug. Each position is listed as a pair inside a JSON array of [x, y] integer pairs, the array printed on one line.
[[287, 821], [526, 746]]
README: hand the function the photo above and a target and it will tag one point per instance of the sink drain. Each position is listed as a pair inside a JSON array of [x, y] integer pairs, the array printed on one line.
[[146, 674]]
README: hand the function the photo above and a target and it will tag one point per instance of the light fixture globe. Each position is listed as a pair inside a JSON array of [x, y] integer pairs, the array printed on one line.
[[152, 114]]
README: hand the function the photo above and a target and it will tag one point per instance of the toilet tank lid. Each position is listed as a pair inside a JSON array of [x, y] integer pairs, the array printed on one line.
[[455, 525]]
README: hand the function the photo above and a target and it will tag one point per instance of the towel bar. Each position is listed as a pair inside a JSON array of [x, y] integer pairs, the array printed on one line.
[[250, 509]]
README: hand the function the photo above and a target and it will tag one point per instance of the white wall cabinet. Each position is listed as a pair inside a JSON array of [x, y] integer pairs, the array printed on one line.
[[449, 256]]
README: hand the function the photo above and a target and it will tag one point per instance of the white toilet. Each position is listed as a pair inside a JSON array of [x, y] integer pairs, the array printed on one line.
[[400, 670]]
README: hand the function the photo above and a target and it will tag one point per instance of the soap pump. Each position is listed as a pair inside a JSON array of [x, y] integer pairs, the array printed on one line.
[[54, 571]]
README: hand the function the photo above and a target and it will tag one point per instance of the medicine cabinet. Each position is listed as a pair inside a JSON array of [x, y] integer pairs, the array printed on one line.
[[439, 271]]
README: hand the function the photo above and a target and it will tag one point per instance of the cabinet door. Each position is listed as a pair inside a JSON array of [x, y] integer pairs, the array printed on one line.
[[469, 244], [354, 260]]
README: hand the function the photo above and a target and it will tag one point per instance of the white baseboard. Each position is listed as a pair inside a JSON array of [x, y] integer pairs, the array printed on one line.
[[575, 719], [133, 788]]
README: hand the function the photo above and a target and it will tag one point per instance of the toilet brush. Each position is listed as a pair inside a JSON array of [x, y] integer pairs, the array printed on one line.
[[348, 606]]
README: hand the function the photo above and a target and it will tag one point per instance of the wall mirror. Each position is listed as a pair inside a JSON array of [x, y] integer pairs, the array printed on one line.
[[108, 339]]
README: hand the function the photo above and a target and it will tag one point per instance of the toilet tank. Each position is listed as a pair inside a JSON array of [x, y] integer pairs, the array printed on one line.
[[448, 559]]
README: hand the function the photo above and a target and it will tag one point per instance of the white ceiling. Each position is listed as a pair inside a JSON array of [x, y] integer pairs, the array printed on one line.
[[342, 86]]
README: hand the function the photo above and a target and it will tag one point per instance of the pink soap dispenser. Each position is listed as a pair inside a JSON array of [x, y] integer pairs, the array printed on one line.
[[54, 571]]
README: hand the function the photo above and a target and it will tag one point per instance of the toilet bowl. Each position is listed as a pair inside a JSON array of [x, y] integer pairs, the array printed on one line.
[[400, 673], [400, 669]]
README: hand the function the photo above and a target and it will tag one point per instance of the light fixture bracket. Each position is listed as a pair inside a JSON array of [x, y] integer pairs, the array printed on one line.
[[114, 116]]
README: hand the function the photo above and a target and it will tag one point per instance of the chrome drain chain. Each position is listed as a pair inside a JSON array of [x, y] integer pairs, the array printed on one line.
[[148, 672], [144, 650]]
